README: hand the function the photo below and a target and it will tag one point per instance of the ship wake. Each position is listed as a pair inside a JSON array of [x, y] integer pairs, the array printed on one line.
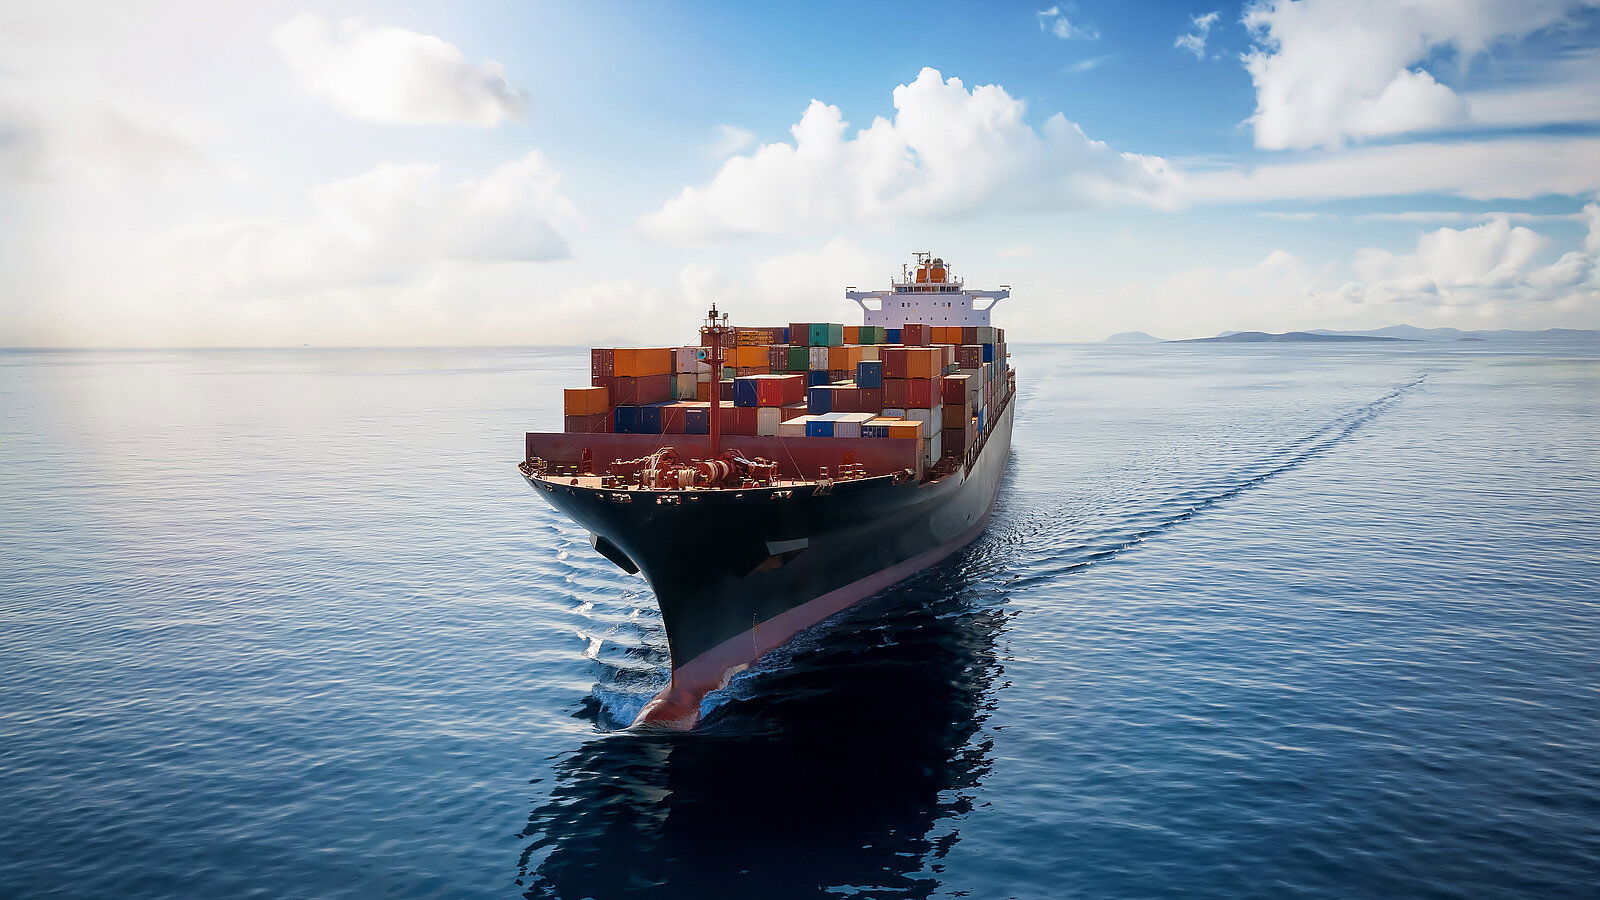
[[1044, 532]]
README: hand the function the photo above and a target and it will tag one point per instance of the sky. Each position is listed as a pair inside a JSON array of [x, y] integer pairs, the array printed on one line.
[[401, 174]]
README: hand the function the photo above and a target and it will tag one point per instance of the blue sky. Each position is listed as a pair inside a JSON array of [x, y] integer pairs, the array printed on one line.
[[400, 173]]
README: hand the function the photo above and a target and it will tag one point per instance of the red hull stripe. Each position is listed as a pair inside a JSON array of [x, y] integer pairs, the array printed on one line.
[[677, 707]]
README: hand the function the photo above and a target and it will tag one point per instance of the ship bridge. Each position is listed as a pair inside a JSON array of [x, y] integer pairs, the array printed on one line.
[[928, 293]]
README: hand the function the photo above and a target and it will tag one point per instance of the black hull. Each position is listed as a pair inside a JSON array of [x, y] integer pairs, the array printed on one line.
[[724, 563]]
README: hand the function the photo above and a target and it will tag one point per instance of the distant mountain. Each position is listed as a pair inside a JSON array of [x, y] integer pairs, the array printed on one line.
[[1411, 332], [1131, 337], [1291, 337]]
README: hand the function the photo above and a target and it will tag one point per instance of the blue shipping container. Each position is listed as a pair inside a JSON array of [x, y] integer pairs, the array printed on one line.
[[649, 419], [988, 353], [744, 391], [891, 335], [625, 420], [819, 400], [697, 421], [819, 428], [869, 374], [874, 431], [815, 378]]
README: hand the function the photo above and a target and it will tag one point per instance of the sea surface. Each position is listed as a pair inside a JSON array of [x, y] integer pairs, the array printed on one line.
[[1250, 621]]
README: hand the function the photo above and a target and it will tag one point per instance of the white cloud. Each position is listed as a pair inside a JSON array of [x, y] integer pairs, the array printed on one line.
[[383, 226], [1054, 21], [949, 152], [730, 140], [1195, 41], [1328, 71], [1492, 262], [1519, 168], [386, 74], [1085, 65]]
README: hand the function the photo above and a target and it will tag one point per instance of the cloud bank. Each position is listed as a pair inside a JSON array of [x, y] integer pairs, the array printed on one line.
[[948, 153], [386, 74], [1327, 72]]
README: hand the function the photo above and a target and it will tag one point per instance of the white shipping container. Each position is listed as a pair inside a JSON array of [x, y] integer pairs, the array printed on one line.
[[894, 413], [986, 334], [869, 353], [931, 451], [795, 427], [849, 424], [819, 359], [767, 421], [930, 422], [683, 387]]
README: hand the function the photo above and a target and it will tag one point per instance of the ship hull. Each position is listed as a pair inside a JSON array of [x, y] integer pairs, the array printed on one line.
[[737, 573]]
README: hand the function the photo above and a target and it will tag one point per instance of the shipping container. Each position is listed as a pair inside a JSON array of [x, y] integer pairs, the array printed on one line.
[[852, 334], [930, 422], [684, 386], [586, 401], [848, 425], [768, 418], [744, 391], [598, 423], [819, 426], [601, 362], [969, 356], [642, 361], [914, 334], [639, 390], [894, 392], [922, 362], [891, 335], [955, 416], [795, 427], [780, 390], [958, 388], [816, 378], [697, 420], [920, 392], [819, 399], [905, 429], [869, 374]]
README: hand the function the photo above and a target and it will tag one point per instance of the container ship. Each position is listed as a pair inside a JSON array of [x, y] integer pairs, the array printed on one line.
[[769, 477]]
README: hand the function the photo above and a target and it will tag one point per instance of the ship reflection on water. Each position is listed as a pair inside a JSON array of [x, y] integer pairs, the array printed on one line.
[[846, 767]]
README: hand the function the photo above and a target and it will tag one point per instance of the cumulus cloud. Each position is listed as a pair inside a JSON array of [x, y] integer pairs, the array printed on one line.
[[379, 227], [1329, 71], [1195, 41], [1495, 261], [386, 74], [1054, 21], [948, 153]]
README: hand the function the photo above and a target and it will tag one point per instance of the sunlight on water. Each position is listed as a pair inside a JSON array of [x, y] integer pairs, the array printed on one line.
[[1315, 620]]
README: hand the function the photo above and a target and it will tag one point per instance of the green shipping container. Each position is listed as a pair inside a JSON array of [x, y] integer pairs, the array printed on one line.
[[872, 334], [799, 358], [818, 335]]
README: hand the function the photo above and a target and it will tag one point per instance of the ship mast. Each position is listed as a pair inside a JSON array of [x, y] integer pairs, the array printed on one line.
[[716, 328]]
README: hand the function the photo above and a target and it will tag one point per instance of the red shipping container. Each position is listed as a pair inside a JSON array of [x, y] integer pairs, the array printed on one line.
[[791, 412], [600, 423], [726, 385], [894, 393], [609, 383], [894, 362], [954, 441], [673, 418], [727, 340], [738, 419], [969, 334], [970, 356], [601, 360], [955, 388], [870, 400], [780, 390], [914, 334], [919, 393], [955, 415], [639, 390]]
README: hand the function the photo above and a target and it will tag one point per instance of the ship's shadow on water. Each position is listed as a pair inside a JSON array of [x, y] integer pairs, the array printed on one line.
[[839, 763]]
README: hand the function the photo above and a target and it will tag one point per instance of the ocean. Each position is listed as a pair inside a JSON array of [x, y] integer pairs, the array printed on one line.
[[1250, 620]]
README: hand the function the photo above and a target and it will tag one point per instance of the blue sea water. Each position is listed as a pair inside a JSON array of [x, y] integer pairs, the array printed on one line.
[[1316, 621]]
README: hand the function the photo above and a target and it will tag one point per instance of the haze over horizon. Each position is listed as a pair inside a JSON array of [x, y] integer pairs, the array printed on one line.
[[398, 174]]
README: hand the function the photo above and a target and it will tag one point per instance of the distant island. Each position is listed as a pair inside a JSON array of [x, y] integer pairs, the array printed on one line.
[[1132, 337], [1289, 337]]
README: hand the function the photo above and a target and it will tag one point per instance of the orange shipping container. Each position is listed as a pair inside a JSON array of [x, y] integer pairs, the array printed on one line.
[[637, 361], [852, 334], [843, 359], [923, 362], [912, 430], [745, 357], [586, 401]]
